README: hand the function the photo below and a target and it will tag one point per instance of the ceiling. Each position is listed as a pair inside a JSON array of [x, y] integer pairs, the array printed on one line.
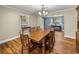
[[33, 9]]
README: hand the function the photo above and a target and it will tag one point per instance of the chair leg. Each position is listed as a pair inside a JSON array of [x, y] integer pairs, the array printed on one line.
[[40, 48], [50, 46], [47, 47], [22, 50], [29, 51]]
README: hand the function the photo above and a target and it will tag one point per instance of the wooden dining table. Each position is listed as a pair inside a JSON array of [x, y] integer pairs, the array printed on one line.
[[38, 35]]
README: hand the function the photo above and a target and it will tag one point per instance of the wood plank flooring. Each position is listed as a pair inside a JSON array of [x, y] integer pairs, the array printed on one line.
[[62, 46]]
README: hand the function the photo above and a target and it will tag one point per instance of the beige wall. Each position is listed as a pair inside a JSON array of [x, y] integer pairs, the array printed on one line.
[[10, 23]]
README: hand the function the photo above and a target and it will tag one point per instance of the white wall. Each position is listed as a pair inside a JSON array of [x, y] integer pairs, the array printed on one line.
[[10, 23], [0, 25], [40, 22], [32, 20], [70, 21]]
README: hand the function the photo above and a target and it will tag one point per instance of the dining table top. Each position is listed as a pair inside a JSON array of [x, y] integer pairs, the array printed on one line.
[[38, 35]]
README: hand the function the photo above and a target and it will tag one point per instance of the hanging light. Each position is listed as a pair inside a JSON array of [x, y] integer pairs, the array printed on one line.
[[39, 13], [43, 11]]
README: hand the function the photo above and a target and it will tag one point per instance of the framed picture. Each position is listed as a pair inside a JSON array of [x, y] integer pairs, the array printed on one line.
[[24, 21]]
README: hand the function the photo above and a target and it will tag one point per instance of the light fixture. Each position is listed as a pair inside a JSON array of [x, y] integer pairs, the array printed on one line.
[[43, 11]]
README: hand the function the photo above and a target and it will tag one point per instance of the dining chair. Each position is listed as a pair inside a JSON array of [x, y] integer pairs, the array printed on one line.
[[28, 45], [49, 41], [38, 27], [32, 29]]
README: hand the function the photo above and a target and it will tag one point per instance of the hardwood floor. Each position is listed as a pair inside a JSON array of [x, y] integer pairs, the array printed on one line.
[[66, 46], [62, 46]]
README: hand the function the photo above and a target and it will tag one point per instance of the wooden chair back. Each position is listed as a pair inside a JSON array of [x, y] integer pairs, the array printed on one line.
[[24, 41], [32, 29]]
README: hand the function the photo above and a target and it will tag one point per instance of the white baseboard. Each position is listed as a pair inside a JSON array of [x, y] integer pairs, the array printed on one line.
[[6, 40], [70, 37]]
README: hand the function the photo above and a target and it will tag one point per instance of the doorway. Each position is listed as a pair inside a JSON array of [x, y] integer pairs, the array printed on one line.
[[54, 21]]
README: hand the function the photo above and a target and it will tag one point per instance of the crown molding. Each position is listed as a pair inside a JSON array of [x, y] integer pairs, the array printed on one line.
[[16, 9], [69, 9]]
